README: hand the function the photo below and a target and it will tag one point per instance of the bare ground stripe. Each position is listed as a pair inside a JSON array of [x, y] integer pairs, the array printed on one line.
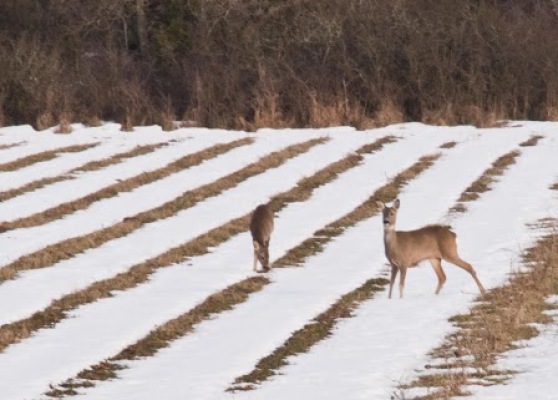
[[90, 166], [176, 328], [126, 185], [16, 331], [43, 156]]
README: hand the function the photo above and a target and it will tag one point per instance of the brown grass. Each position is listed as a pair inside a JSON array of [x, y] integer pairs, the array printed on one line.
[[532, 141], [9, 146], [485, 181], [315, 331], [202, 244], [43, 156], [160, 337], [448, 145], [126, 185], [320, 328], [64, 125], [14, 332], [493, 326], [91, 166], [366, 210]]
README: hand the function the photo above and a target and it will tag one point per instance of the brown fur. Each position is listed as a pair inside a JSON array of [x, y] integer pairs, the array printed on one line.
[[405, 249], [261, 227]]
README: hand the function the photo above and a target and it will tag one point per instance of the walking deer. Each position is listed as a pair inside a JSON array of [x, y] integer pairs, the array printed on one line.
[[406, 249], [261, 227]]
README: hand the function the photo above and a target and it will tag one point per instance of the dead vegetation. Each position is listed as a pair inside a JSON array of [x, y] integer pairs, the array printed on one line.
[[385, 194], [505, 316], [14, 332], [126, 185], [316, 330], [320, 328], [9, 146], [196, 247], [160, 337], [484, 182], [43, 156], [90, 166]]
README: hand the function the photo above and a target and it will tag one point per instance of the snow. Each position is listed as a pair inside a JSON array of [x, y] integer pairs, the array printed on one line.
[[367, 355]]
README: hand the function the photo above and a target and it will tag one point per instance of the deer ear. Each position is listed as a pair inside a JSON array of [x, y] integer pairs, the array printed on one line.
[[396, 204], [380, 204]]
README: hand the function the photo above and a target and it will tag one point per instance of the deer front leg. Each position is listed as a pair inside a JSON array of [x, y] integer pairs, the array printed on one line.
[[402, 281], [394, 270]]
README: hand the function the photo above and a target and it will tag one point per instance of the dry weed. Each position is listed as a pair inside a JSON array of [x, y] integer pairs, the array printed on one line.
[[90, 166], [43, 156], [504, 316], [485, 181], [13, 332], [126, 185]]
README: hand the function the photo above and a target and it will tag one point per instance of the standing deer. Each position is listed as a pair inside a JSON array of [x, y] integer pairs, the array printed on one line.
[[406, 249], [261, 227]]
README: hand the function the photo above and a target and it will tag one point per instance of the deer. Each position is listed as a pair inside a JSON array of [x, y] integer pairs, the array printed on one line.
[[261, 227], [405, 249]]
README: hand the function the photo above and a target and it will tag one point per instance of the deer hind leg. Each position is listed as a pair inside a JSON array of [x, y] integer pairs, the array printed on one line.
[[469, 268], [255, 261], [394, 271], [437, 265]]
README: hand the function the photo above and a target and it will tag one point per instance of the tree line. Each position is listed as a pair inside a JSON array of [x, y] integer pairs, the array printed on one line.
[[282, 63]]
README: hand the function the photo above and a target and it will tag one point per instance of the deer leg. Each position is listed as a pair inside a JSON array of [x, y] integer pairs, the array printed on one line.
[[469, 268], [394, 271], [402, 281], [437, 265], [255, 261]]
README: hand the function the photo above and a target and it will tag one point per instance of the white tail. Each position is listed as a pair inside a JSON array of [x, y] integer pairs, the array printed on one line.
[[261, 227], [406, 249]]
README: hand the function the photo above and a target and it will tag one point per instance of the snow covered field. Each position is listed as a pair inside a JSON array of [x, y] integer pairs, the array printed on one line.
[[365, 357]]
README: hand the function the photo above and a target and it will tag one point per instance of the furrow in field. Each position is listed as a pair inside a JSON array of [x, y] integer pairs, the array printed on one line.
[[10, 145], [85, 183], [43, 156], [371, 353], [64, 209], [32, 142], [67, 166], [232, 204], [184, 288], [66, 249]]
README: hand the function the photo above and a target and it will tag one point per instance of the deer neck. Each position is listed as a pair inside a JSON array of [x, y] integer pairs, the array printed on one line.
[[390, 241]]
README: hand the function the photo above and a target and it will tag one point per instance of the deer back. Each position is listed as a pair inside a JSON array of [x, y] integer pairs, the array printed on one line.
[[261, 224], [433, 241]]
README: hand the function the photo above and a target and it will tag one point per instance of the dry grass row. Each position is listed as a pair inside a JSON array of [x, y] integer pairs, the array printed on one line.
[[58, 309], [162, 336], [367, 209], [484, 182], [126, 185], [9, 146], [320, 328], [43, 156], [90, 166], [505, 316], [174, 329], [302, 340]]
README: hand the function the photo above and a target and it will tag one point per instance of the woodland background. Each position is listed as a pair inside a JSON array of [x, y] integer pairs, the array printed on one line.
[[245, 64]]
